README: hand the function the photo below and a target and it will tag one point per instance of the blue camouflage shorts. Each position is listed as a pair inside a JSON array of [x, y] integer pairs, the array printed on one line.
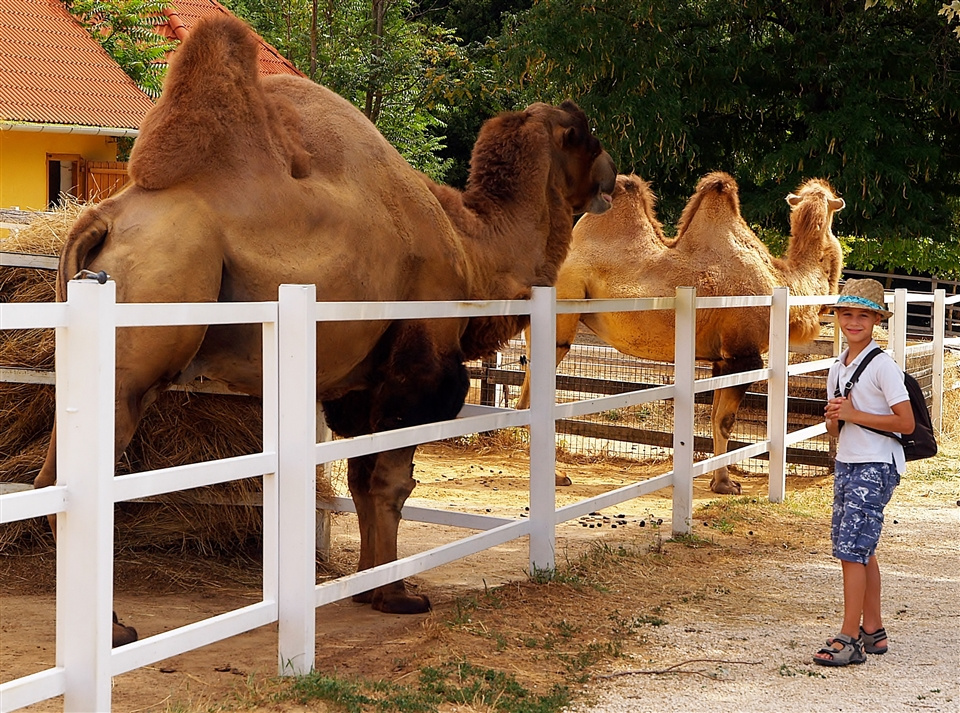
[[860, 493]]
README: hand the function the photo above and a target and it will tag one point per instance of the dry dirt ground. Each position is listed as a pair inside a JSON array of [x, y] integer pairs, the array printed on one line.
[[627, 602]]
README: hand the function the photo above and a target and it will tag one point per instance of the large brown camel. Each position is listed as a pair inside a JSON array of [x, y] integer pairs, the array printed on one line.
[[241, 184], [623, 254]]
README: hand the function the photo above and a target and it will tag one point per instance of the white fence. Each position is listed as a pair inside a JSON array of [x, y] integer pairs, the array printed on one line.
[[87, 490]]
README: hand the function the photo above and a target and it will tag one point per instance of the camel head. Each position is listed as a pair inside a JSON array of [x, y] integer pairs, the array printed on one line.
[[812, 209], [557, 134], [592, 193]]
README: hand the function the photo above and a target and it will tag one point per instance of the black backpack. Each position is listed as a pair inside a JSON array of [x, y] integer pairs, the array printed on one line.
[[919, 444]]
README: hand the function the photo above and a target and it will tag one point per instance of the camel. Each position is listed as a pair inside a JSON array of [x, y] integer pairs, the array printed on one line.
[[624, 254], [241, 184]]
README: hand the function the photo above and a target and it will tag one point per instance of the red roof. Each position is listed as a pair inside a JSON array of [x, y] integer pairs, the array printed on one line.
[[184, 14], [53, 72]]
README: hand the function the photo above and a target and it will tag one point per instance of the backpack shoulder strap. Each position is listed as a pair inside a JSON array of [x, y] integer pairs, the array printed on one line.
[[858, 371]]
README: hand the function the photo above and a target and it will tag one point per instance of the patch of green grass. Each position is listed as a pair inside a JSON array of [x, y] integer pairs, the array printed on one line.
[[582, 571], [455, 683]]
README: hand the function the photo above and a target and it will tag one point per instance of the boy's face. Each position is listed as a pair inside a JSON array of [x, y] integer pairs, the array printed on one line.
[[857, 324]]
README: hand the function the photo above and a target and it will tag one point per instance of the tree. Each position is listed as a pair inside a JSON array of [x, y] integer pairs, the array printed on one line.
[[126, 29], [383, 55], [772, 92]]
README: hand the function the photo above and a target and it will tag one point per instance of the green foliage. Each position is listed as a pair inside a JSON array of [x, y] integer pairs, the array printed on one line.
[[399, 68], [772, 92], [455, 683], [125, 29]]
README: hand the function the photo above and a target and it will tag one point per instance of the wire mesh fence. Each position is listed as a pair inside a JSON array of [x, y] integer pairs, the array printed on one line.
[[645, 432]]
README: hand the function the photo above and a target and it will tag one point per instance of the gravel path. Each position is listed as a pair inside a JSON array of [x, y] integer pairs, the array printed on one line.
[[768, 666]]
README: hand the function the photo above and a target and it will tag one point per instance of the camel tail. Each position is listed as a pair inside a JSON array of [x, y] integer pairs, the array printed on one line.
[[714, 185], [87, 234]]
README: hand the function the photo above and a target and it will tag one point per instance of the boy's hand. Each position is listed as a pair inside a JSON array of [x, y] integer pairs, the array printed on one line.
[[844, 410], [832, 415], [832, 409]]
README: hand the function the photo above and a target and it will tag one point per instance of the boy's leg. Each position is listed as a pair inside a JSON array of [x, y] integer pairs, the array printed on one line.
[[872, 619], [854, 595], [854, 592]]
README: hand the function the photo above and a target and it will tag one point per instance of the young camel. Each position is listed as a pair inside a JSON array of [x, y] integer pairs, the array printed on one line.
[[623, 254]]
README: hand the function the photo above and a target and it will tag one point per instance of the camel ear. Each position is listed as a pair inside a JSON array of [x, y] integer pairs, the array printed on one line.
[[836, 204], [793, 199], [571, 137]]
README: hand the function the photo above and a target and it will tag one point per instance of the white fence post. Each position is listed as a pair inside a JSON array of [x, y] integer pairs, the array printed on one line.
[[685, 374], [543, 444], [898, 332], [297, 473], [86, 375], [939, 328], [778, 357]]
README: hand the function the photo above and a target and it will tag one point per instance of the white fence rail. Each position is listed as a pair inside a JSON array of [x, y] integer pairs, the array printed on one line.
[[87, 489]]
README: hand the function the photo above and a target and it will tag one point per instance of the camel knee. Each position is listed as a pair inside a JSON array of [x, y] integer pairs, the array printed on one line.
[[726, 424], [45, 478]]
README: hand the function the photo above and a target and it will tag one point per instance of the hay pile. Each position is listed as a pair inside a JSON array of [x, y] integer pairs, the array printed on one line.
[[180, 428]]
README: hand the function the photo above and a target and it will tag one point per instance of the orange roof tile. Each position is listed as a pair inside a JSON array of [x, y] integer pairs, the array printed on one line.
[[184, 14], [53, 72]]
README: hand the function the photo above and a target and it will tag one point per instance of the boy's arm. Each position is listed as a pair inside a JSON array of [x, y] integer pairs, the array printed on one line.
[[830, 416], [901, 420]]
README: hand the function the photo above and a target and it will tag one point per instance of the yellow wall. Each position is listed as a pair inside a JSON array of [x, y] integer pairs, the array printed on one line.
[[23, 163]]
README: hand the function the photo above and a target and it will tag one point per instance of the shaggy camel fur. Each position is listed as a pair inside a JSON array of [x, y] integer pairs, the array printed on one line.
[[623, 254], [242, 184]]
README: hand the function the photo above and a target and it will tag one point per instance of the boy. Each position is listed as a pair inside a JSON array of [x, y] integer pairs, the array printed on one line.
[[868, 468]]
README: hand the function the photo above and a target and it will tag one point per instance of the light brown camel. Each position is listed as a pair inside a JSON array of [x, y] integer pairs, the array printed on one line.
[[623, 254], [241, 184]]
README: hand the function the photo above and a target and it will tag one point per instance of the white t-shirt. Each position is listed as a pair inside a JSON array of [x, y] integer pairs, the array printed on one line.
[[879, 388]]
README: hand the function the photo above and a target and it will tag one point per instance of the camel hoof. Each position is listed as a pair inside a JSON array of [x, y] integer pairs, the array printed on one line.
[[396, 603], [563, 480], [122, 635], [725, 487], [363, 597]]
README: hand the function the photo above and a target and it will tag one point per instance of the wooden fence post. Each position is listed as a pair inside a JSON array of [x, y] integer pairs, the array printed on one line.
[[297, 478], [777, 383], [939, 327], [543, 444], [898, 328], [86, 375], [683, 408]]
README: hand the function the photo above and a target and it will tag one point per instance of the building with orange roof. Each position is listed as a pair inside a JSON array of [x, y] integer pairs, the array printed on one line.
[[184, 15], [64, 102]]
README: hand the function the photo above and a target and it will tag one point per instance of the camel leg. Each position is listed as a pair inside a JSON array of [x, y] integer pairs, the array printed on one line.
[[126, 423], [135, 392], [359, 472], [724, 415], [379, 487]]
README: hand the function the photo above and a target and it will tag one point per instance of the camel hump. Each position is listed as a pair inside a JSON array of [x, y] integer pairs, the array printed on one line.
[[213, 115], [637, 192], [717, 193], [720, 183], [633, 184]]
